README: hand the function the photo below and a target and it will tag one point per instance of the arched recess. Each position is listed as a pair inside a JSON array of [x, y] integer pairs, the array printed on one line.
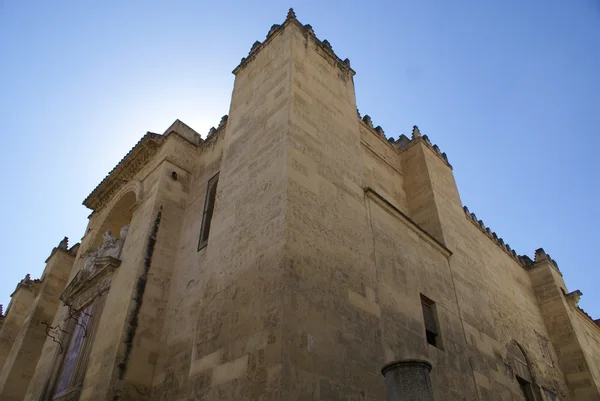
[[521, 367], [118, 212]]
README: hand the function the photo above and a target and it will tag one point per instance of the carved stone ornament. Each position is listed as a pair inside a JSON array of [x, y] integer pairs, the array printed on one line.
[[111, 247], [88, 285], [95, 277]]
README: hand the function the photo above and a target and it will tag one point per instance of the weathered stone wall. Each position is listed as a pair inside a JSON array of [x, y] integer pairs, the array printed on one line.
[[223, 337], [17, 311], [177, 340], [382, 167], [22, 359], [323, 239], [589, 337]]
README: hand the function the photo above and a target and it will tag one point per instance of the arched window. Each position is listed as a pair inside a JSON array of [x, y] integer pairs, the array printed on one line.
[[520, 367], [209, 206]]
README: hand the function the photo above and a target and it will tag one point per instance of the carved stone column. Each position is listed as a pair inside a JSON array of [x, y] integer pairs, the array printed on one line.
[[408, 380]]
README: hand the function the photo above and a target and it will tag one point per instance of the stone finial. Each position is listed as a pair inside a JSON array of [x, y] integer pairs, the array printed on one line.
[[64, 244], [346, 62], [255, 46], [445, 157], [415, 132], [1, 310], [291, 14], [380, 131], [309, 29], [27, 277], [466, 209], [437, 149], [540, 255], [367, 120], [327, 45], [223, 120]]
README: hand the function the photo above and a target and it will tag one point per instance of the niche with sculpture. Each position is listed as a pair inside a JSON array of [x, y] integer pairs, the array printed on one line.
[[95, 276]]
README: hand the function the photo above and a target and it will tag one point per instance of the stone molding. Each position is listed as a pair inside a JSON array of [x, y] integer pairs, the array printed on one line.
[[88, 285], [326, 50], [393, 210], [124, 171]]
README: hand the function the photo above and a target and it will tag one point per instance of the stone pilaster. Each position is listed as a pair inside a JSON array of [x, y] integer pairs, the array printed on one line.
[[23, 356], [558, 308]]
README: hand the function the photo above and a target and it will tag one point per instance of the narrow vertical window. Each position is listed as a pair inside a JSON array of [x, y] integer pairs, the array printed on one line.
[[209, 206], [79, 334], [73, 364], [545, 347], [432, 333]]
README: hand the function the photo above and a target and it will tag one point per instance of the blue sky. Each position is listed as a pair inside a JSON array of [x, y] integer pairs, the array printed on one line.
[[510, 90]]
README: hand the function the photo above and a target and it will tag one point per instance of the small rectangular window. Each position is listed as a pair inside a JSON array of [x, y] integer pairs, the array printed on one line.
[[432, 332], [209, 206]]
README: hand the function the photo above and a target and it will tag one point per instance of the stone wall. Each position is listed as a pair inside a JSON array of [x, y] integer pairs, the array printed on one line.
[[325, 240]]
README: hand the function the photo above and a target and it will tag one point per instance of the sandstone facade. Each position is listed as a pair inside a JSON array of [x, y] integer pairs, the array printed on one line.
[[290, 255]]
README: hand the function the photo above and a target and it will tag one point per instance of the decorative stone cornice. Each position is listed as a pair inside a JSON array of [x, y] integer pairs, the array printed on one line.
[[309, 32], [124, 171], [86, 285]]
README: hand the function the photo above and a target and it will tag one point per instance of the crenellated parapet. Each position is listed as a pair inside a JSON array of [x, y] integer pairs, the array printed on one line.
[[541, 255], [523, 260], [403, 142], [63, 246], [309, 32], [27, 283], [368, 122], [214, 133]]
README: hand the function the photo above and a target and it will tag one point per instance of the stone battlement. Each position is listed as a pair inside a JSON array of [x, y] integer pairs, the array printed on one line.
[[403, 142], [523, 260], [307, 29]]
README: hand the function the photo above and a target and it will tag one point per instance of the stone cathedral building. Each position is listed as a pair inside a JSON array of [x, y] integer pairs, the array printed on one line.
[[290, 255]]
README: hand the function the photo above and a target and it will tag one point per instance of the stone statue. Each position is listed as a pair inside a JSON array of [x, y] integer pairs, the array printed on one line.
[[111, 247]]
